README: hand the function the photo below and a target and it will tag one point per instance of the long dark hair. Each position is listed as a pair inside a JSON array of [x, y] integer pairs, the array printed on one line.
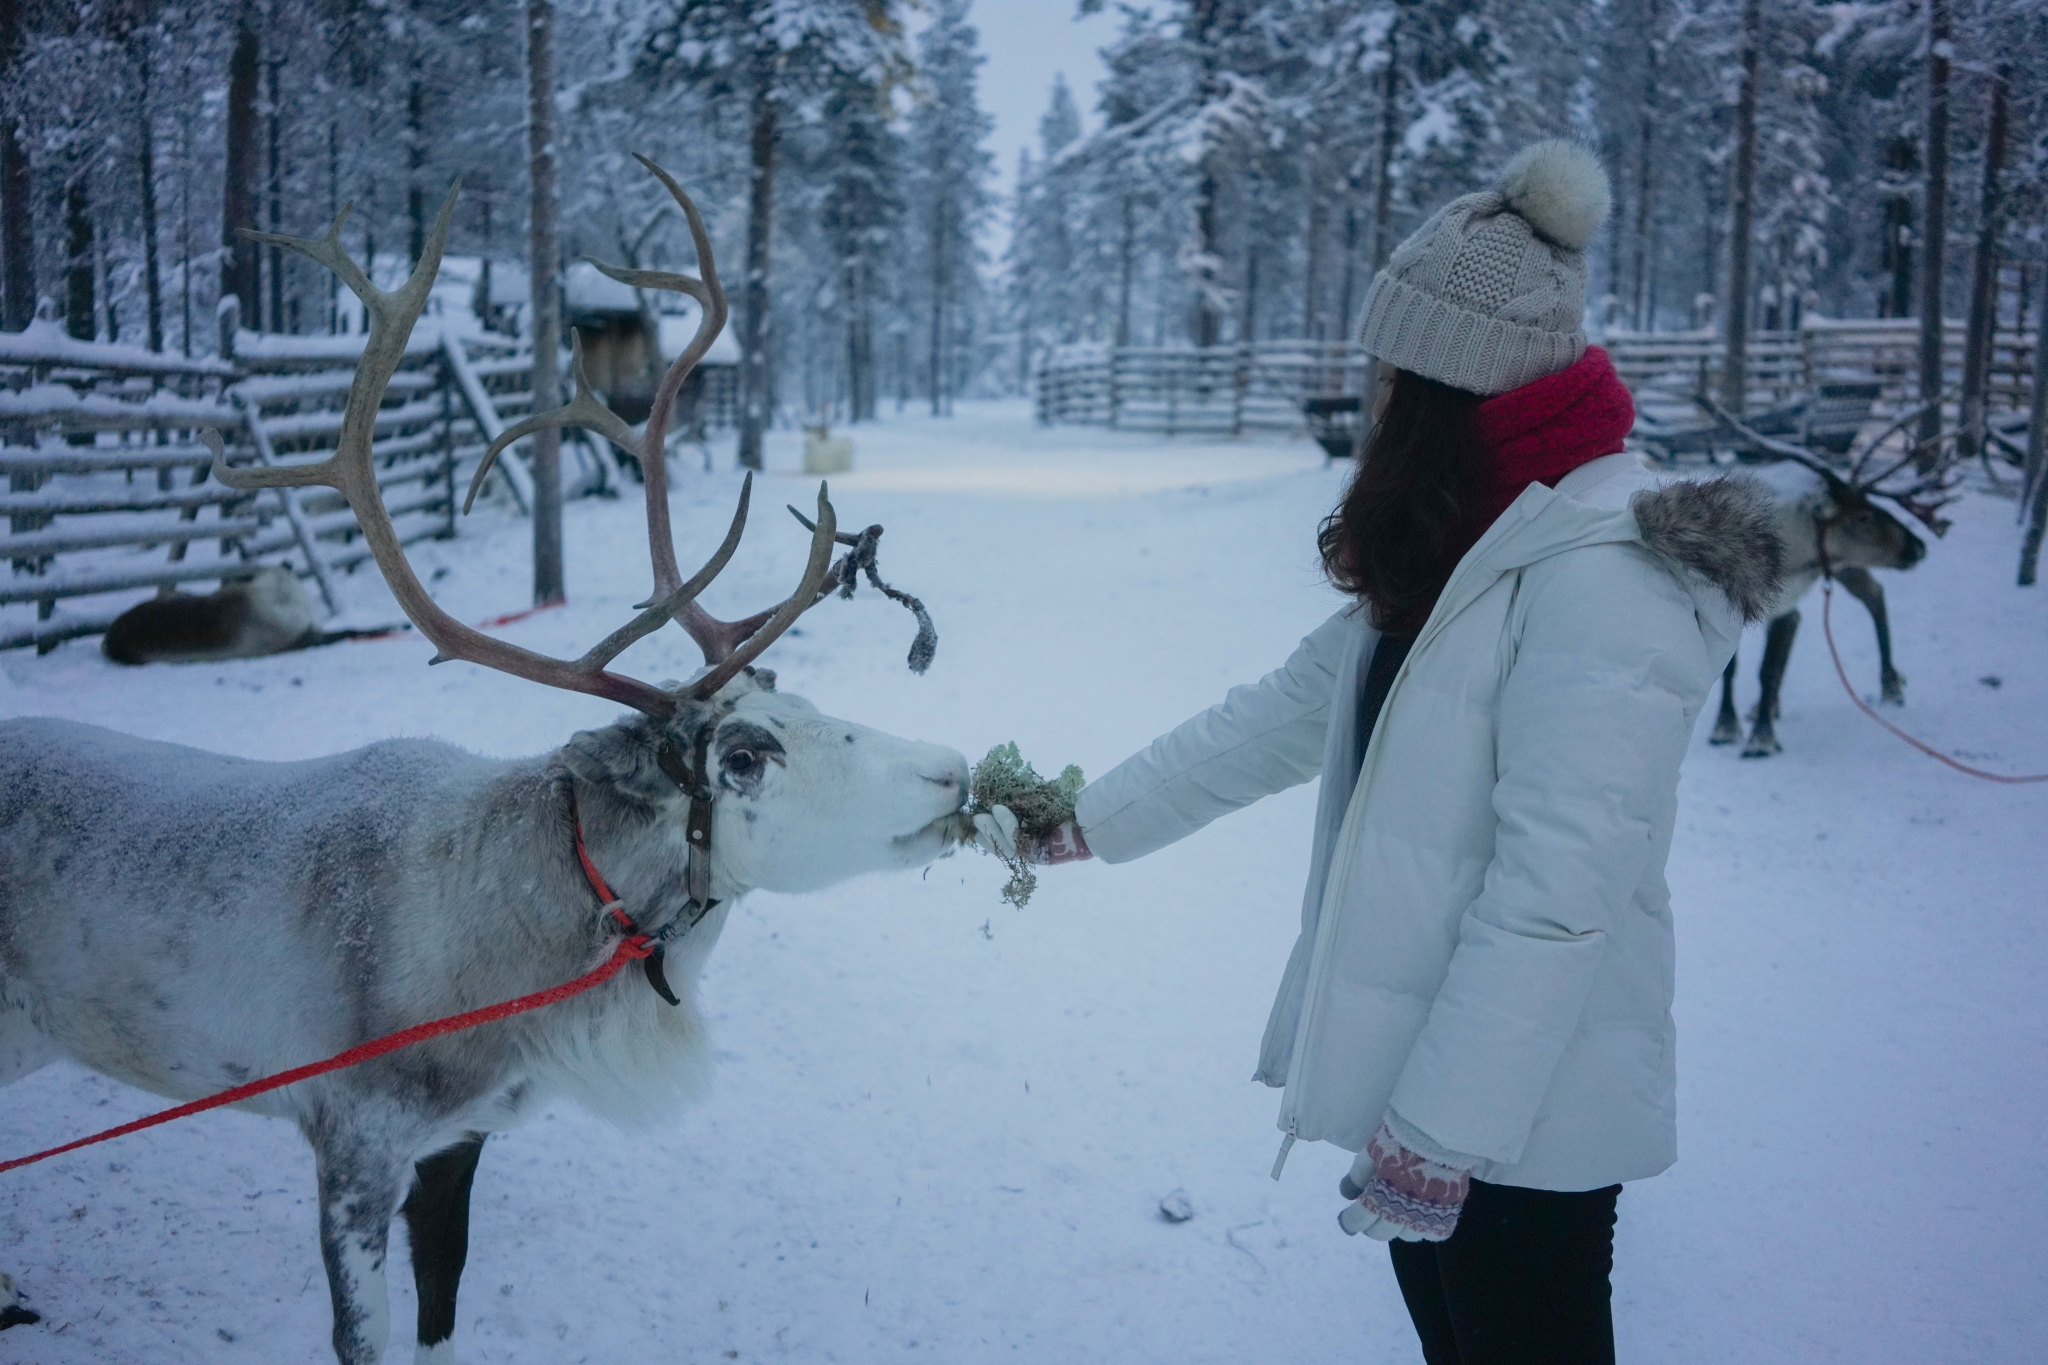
[[1407, 518]]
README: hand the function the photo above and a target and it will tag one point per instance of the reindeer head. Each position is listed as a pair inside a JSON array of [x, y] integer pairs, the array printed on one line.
[[1850, 529], [802, 800], [1854, 531]]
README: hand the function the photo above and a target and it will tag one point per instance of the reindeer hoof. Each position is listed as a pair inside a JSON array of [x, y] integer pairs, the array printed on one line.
[[1760, 746], [1725, 734], [1893, 693]]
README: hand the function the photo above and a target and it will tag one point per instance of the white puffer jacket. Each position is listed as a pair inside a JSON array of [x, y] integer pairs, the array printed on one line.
[[1486, 941]]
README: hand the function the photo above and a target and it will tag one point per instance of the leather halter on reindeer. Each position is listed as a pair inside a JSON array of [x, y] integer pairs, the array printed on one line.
[[264, 915]]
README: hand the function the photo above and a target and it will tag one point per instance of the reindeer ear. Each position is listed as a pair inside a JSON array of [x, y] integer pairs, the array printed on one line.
[[621, 757]]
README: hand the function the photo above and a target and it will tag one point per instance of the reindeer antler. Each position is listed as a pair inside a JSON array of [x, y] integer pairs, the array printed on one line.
[[1908, 500], [351, 472]]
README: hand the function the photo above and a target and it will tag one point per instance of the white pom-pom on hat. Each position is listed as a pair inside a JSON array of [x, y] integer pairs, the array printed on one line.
[[1560, 188]]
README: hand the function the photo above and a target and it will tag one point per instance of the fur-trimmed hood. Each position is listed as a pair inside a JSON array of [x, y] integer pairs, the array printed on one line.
[[1724, 530]]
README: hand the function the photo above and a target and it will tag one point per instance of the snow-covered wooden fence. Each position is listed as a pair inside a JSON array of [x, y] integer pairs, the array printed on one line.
[[1782, 365], [108, 485], [1233, 389], [1219, 390]]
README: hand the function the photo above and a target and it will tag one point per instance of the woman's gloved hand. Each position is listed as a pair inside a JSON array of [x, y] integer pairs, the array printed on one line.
[[996, 831], [1399, 1193]]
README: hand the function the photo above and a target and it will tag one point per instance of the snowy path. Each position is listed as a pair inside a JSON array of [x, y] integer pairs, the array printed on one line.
[[941, 1126]]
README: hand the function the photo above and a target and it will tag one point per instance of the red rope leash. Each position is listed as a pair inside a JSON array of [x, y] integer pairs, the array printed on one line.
[[487, 624], [1827, 621], [630, 949]]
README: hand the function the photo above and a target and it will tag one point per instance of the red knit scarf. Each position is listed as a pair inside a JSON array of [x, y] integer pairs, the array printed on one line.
[[1544, 430]]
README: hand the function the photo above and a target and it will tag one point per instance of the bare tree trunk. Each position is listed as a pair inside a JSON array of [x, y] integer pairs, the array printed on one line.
[[17, 209], [334, 209], [2035, 499], [1126, 262], [1645, 261], [145, 158], [17, 230], [277, 257], [78, 260], [238, 192], [1934, 238], [546, 446], [1248, 318], [1984, 275], [1383, 192], [1315, 231], [941, 288], [860, 342], [1207, 322], [185, 238], [1742, 217], [415, 164], [754, 320], [1347, 325]]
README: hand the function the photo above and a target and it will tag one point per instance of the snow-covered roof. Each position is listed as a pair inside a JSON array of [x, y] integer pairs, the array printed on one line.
[[676, 329], [585, 289]]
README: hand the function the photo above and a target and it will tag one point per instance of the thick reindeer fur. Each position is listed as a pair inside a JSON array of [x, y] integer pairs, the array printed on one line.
[[184, 921], [1723, 529], [266, 613], [1560, 188]]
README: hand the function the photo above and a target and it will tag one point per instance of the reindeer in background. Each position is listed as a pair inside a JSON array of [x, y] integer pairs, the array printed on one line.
[[1831, 527], [263, 915]]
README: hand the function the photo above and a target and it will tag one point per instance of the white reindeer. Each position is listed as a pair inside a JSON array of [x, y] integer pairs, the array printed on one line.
[[183, 921]]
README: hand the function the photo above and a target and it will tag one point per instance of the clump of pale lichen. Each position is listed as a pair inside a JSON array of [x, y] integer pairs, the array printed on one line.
[[1005, 779]]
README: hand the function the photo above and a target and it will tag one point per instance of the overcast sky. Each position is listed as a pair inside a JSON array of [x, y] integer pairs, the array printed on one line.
[[1027, 43]]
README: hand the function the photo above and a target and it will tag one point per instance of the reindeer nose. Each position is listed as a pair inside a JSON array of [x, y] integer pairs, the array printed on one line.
[[953, 779]]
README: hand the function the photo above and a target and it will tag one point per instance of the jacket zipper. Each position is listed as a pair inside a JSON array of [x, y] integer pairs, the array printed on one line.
[[1325, 920]]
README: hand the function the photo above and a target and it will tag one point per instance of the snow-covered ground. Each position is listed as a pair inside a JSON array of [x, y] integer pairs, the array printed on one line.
[[942, 1127]]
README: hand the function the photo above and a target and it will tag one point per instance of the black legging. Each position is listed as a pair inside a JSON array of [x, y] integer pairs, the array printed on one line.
[[1522, 1281]]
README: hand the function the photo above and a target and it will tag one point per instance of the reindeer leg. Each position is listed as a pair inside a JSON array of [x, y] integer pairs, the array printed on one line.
[[1727, 726], [360, 1182], [1763, 736], [1864, 587], [437, 1224]]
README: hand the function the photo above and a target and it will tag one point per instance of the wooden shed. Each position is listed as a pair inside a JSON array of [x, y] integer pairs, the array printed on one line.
[[626, 349]]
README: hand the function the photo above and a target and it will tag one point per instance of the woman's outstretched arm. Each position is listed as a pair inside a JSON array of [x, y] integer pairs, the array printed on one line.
[[1262, 738]]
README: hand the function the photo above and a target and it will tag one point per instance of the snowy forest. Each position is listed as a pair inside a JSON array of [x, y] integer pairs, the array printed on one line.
[[1244, 168]]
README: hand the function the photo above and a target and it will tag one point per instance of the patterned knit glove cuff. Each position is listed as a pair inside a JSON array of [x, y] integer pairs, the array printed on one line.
[[1419, 1198]]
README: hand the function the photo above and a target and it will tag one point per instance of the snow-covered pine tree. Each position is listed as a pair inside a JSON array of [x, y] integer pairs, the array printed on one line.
[[947, 180], [859, 215], [781, 58]]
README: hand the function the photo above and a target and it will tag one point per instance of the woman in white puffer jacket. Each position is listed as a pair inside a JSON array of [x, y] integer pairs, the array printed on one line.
[[1479, 1003]]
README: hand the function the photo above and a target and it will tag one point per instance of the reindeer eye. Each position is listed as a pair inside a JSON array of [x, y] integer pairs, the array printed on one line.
[[742, 762]]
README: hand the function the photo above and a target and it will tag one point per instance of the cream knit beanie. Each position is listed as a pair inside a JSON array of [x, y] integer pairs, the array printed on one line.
[[1490, 293]]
